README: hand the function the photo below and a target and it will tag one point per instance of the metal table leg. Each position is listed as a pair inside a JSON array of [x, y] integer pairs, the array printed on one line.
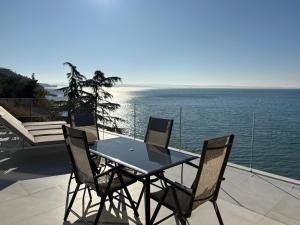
[[147, 200]]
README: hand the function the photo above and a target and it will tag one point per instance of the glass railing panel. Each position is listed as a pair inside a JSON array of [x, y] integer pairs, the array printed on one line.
[[199, 124], [28, 109], [264, 140], [277, 143]]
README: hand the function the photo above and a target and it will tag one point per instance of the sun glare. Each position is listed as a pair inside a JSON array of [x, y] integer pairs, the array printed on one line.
[[104, 2]]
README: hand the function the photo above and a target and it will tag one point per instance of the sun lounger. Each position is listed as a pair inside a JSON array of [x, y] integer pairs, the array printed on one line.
[[32, 137], [33, 124]]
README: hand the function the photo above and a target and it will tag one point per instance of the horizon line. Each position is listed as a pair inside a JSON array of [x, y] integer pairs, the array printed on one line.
[[162, 85]]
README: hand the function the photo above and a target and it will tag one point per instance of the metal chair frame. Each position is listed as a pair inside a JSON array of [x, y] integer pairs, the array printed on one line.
[[148, 130], [73, 125], [172, 186], [111, 172], [165, 146]]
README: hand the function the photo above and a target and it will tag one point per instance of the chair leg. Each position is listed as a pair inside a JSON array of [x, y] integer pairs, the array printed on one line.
[[68, 190], [102, 204], [71, 202], [140, 197], [181, 176], [131, 202], [103, 198], [159, 204], [155, 213], [128, 195], [84, 190], [111, 199], [182, 221], [90, 195], [218, 213]]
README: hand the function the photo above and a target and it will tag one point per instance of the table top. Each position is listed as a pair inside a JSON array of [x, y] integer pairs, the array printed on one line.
[[145, 158]]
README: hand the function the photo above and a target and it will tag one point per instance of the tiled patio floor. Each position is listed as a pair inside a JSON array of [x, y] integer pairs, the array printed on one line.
[[33, 189]]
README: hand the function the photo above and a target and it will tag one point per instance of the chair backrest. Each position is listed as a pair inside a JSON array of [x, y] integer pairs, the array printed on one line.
[[158, 154], [159, 132], [212, 165], [78, 150], [82, 119], [16, 127], [87, 122]]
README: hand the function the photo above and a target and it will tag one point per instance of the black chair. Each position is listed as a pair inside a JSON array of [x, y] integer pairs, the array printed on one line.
[[183, 200], [86, 121], [105, 184], [158, 133]]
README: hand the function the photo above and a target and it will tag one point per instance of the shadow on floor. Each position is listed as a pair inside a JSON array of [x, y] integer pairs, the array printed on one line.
[[113, 213], [32, 163]]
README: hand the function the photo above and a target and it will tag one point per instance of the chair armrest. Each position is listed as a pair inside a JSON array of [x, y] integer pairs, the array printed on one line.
[[93, 155], [192, 164], [123, 171], [176, 185], [108, 171]]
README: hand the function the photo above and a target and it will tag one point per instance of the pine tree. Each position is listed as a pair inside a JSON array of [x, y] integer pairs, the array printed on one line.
[[91, 95], [100, 100], [73, 92]]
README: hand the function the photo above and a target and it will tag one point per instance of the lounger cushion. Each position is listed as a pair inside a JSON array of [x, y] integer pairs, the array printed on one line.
[[44, 127], [12, 118], [43, 135], [44, 123], [49, 139], [46, 132]]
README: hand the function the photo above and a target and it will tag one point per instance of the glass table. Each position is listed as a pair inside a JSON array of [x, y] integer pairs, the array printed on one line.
[[145, 158]]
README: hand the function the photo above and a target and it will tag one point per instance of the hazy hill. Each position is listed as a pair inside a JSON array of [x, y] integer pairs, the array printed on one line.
[[13, 85]]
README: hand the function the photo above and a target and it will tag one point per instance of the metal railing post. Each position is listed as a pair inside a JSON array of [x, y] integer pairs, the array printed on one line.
[[252, 140], [30, 109], [103, 124], [180, 121], [134, 118], [180, 124]]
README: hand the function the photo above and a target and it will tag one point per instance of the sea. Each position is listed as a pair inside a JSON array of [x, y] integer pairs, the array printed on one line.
[[265, 122]]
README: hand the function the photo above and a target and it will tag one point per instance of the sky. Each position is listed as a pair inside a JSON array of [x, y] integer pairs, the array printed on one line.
[[178, 42]]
